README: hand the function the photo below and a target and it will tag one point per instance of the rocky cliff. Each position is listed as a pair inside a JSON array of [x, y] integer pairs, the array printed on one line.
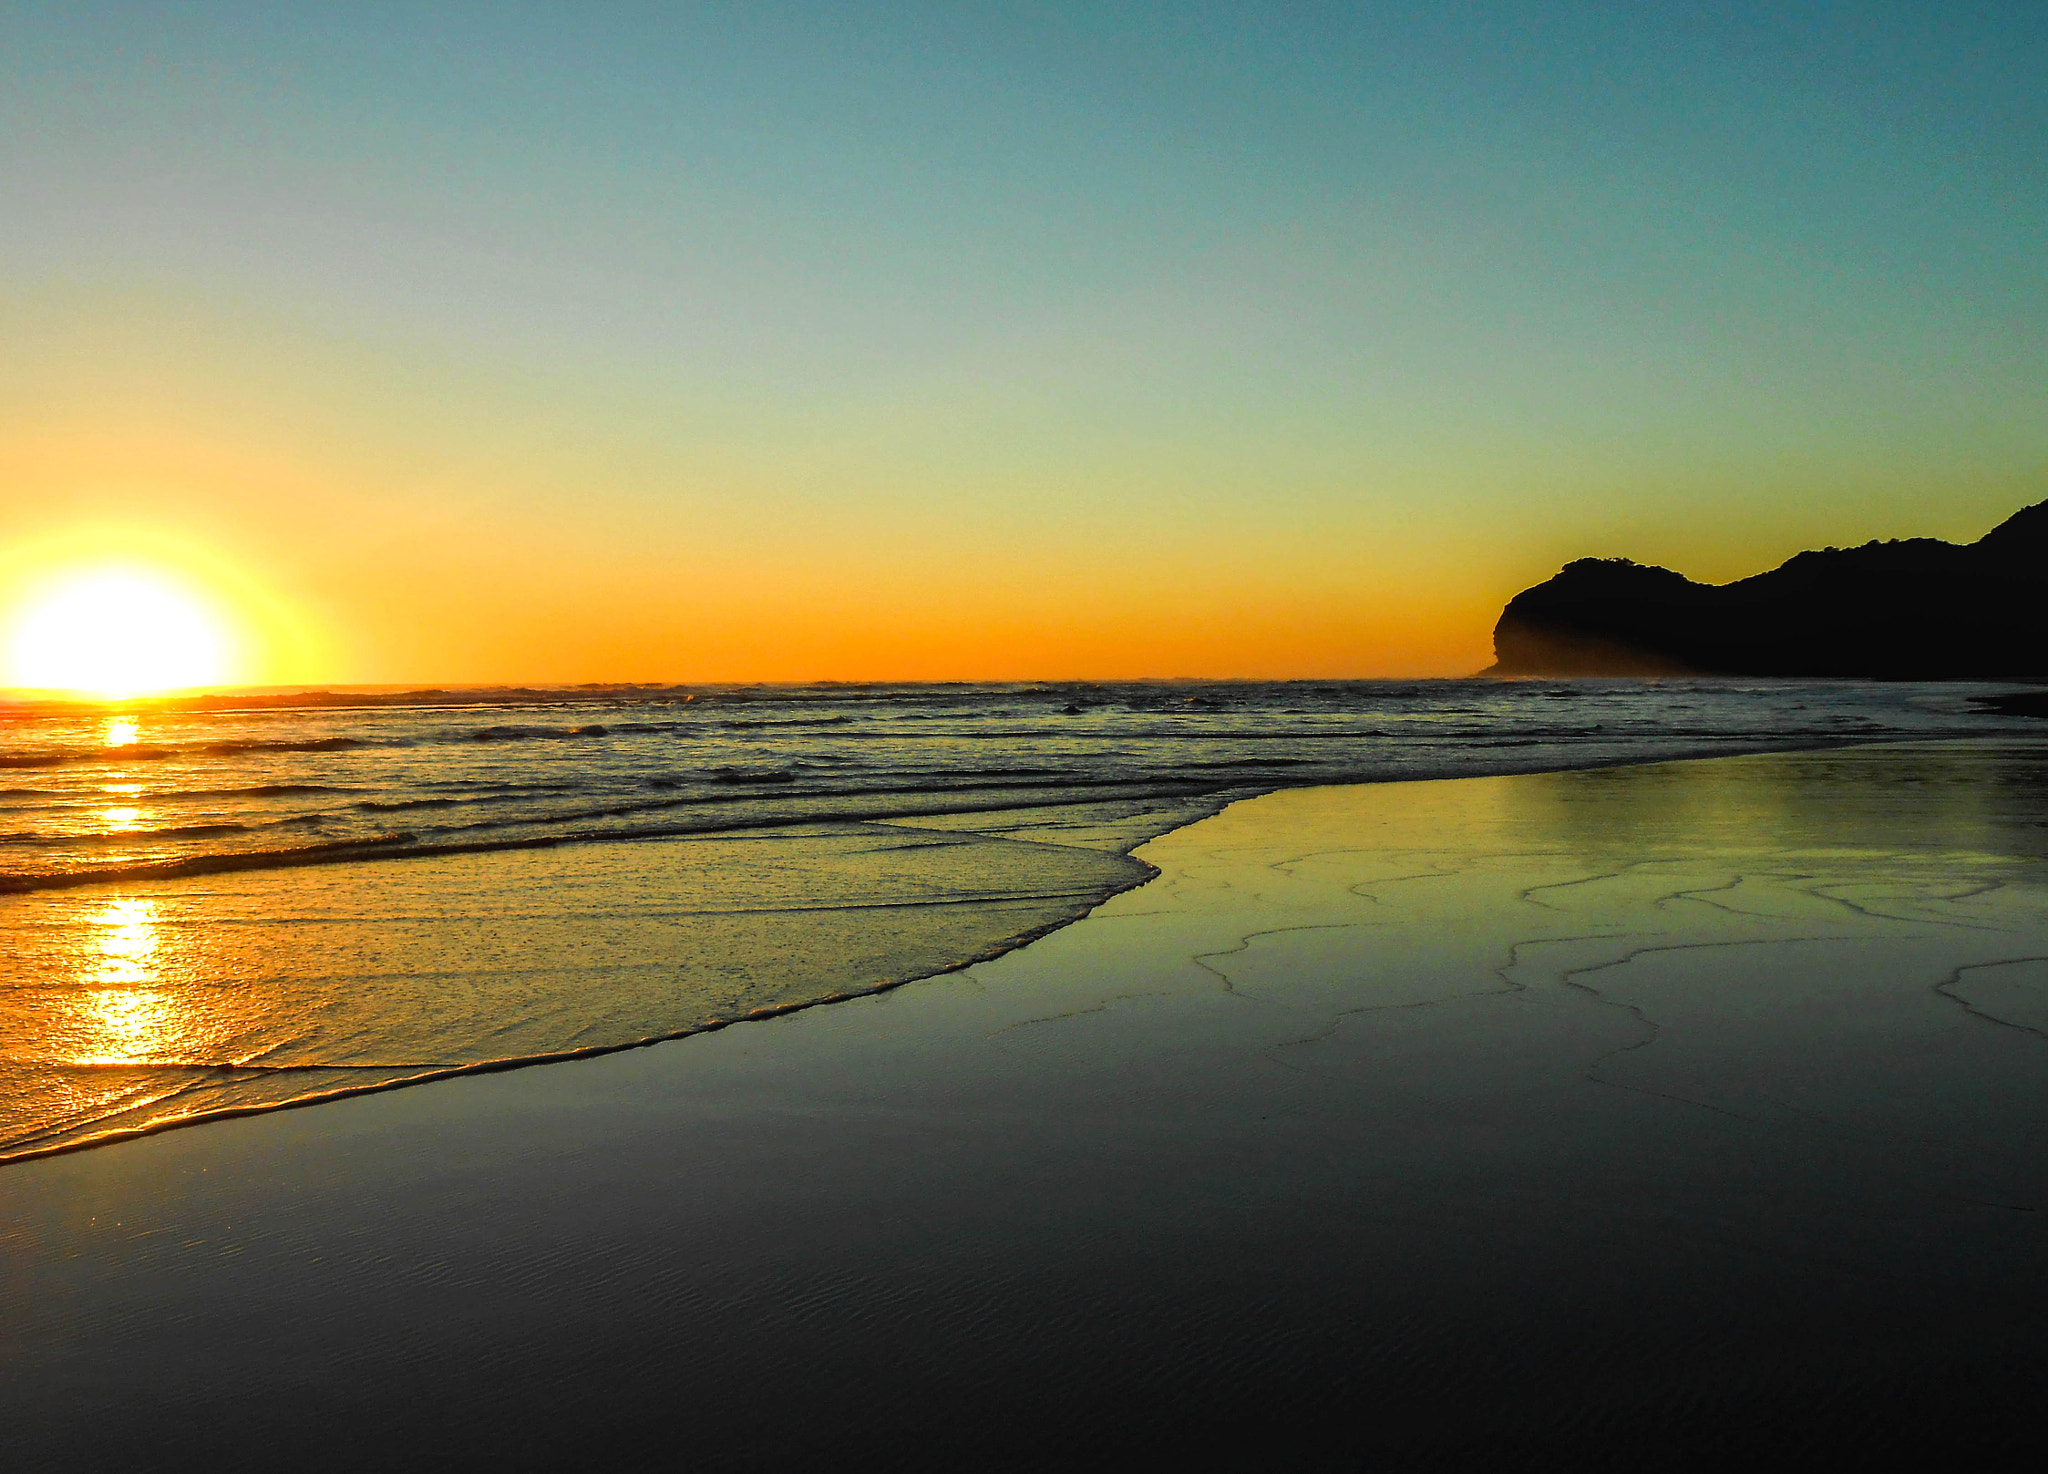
[[1916, 609]]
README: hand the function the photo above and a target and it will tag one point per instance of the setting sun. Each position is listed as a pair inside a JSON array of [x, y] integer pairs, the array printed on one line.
[[118, 633]]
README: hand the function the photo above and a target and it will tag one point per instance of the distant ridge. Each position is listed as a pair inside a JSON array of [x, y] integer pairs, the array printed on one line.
[[1917, 609]]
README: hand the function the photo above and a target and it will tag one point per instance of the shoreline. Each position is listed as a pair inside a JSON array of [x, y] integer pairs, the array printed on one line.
[[402, 845], [595, 1051], [1224, 800]]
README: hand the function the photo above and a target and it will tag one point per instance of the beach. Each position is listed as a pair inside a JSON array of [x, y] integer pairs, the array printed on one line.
[[1559, 1118], [228, 904]]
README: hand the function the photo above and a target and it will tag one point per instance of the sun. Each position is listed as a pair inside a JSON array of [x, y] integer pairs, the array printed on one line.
[[118, 633]]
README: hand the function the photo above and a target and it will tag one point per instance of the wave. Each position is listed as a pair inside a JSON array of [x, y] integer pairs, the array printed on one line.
[[746, 811], [238, 747], [30, 1148], [140, 752], [1034, 789], [133, 752], [530, 734], [258, 790], [327, 853], [1477, 733], [44, 839], [262, 790], [409, 844], [741, 724]]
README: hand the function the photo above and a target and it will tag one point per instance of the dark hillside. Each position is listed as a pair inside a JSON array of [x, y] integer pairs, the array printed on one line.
[[1916, 609]]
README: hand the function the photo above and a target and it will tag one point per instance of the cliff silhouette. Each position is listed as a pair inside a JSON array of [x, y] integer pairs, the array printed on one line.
[[1912, 609]]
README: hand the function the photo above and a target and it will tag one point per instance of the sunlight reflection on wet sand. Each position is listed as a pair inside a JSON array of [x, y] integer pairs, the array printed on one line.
[[246, 990]]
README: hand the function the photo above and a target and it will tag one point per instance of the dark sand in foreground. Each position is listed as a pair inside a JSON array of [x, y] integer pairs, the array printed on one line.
[[1588, 1119]]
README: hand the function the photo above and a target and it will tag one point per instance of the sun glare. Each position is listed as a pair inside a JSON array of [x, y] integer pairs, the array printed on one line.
[[118, 634]]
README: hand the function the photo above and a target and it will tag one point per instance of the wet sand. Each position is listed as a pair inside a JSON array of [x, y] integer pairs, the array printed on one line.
[[1588, 1119], [127, 1008]]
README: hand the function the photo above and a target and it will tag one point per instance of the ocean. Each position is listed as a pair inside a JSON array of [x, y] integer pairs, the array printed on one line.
[[249, 901]]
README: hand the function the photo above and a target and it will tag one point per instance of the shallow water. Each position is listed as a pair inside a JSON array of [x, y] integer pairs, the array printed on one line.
[[128, 1006], [231, 909]]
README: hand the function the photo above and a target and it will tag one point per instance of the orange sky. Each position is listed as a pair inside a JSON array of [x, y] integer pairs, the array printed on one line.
[[489, 551], [712, 346]]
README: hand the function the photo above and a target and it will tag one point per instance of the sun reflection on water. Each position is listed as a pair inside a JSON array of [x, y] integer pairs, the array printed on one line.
[[126, 941], [122, 816], [120, 732], [134, 1024], [133, 1020]]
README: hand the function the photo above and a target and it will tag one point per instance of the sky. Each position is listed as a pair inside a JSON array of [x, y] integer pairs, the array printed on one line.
[[533, 342]]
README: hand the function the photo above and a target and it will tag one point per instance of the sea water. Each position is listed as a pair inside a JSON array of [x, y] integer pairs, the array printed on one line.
[[249, 901]]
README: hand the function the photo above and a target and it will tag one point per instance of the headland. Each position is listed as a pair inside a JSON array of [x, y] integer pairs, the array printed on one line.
[[1917, 609]]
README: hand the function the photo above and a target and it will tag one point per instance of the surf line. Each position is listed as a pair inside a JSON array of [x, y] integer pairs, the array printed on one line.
[[990, 953]]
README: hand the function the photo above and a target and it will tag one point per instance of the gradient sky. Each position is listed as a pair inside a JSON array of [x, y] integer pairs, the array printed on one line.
[[533, 342]]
